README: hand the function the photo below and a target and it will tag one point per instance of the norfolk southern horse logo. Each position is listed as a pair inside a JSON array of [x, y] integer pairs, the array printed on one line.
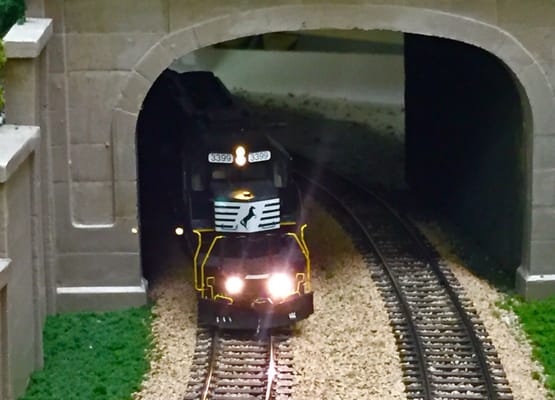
[[248, 217], [258, 216]]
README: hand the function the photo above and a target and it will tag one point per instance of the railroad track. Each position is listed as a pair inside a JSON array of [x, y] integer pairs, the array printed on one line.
[[444, 348], [231, 365]]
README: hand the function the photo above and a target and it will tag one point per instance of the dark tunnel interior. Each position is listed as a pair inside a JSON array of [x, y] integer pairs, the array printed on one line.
[[465, 142], [158, 179], [464, 151]]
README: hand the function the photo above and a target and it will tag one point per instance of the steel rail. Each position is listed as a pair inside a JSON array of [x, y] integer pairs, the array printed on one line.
[[212, 365], [217, 340], [425, 254], [271, 368], [424, 251], [422, 364]]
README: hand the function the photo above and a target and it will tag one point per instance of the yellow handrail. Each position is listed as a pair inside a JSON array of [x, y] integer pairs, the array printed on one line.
[[308, 267], [195, 259], [304, 248], [216, 238]]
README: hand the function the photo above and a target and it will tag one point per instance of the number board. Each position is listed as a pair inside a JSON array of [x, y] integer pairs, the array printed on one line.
[[220, 158], [260, 156]]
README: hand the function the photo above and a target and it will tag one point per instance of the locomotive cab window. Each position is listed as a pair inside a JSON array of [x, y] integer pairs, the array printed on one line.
[[280, 174], [199, 176], [230, 173], [198, 181]]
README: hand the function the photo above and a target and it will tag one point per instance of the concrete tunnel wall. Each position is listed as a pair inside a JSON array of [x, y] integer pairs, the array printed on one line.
[[104, 57]]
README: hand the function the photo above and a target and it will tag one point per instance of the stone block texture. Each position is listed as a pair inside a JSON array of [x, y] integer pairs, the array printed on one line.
[[112, 51], [105, 16], [92, 96], [105, 55], [92, 203], [18, 294], [544, 187], [98, 269], [22, 93]]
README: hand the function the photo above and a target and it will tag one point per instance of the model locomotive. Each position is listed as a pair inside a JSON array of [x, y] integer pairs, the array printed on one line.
[[241, 213]]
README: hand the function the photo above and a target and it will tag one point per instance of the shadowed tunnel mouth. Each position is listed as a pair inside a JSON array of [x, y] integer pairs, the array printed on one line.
[[461, 141]]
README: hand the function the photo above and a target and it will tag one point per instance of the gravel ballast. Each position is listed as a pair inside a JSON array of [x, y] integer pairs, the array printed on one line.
[[346, 349], [502, 325]]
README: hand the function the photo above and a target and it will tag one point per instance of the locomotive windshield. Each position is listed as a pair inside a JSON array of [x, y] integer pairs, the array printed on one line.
[[230, 173]]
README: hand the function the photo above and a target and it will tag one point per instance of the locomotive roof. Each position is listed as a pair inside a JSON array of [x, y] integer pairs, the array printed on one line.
[[202, 95], [252, 139], [216, 120]]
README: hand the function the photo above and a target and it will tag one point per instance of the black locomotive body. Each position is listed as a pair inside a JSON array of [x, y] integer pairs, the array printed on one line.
[[240, 214]]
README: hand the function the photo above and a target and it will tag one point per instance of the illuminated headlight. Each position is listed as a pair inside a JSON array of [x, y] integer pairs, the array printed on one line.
[[240, 154], [242, 194], [280, 285], [234, 285]]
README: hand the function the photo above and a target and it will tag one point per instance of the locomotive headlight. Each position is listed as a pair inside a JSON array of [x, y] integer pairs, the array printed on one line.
[[240, 156], [280, 285], [234, 285], [242, 194]]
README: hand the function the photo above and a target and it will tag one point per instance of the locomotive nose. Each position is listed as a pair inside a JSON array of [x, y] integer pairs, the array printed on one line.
[[261, 303]]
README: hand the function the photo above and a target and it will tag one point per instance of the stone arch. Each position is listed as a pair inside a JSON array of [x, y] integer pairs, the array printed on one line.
[[367, 17], [535, 89]]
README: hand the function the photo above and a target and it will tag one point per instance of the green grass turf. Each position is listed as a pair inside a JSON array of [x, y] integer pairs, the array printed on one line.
[[538, 321], [93, 356]]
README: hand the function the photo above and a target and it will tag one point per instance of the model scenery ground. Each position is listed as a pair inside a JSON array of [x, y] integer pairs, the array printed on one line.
[[93, 356], [538, 320], [346, 349]]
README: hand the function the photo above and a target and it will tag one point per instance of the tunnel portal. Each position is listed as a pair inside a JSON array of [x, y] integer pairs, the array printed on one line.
[[465, 148]]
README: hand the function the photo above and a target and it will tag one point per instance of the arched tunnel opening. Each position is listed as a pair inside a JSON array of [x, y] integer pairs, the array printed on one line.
[[466, 142], [159, 178], [447, 132]]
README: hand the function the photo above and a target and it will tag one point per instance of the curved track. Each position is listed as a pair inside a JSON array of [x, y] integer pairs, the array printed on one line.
[[444, 348], [240, 366]]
